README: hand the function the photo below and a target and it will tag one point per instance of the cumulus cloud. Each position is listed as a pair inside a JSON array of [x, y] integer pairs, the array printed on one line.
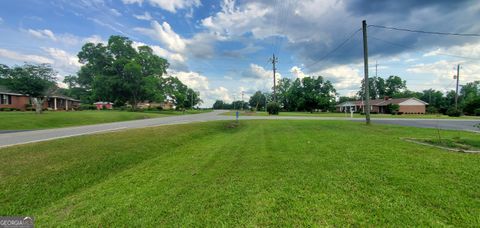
[[297, 72], [200, 83], [165, 34], [343, 77], [258, 78], [65, 62], [168, 5]]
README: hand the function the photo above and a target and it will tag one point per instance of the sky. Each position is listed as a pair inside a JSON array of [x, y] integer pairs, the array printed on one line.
[[221, 48]]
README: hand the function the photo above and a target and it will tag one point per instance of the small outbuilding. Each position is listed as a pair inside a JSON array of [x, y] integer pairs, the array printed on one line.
[[103, 105]]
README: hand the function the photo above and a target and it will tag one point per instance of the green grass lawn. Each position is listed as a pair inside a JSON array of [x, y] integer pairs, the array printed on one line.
[[30, 120], [355, 115], [261, 173]]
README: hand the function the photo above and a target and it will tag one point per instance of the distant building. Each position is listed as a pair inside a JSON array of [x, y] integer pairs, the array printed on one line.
[[9, 99], [103, 105], [407, 105]]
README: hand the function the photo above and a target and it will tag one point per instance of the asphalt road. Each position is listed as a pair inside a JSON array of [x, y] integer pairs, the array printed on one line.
[[16, 138]]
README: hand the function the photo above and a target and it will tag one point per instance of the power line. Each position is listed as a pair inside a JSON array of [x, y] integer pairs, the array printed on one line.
[[425, 32], [412, 47], [336, 48]]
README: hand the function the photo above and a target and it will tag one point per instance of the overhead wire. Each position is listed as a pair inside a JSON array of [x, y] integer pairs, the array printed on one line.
[[425, 32]]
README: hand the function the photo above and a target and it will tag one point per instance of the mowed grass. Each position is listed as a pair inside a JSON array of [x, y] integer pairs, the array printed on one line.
[[347, 115], [32, 121], [260, 173]]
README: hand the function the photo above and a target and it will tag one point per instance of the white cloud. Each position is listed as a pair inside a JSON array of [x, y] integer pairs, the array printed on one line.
[[96, 39], [470, 50], [168, 5], [63, 60], [297, 72], [343, 77], [42, 33], [146, 16], [258, 78], [234, 21], [165, 34], [193, 80], [201, 84], [4, 53], [115, 12]]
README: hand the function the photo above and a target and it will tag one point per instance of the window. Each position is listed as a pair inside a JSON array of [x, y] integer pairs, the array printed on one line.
[[5, 99]]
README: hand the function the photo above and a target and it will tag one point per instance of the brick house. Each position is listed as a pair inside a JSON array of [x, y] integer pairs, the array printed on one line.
[[9, 99], [407, 105]]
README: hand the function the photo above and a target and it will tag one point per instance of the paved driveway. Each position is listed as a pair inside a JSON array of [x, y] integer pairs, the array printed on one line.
[[15, 138]]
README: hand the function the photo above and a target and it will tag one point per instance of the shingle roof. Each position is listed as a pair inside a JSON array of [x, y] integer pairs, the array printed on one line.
[[5, 90], [381, 102]]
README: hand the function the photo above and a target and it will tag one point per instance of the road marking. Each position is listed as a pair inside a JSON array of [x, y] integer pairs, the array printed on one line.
[[65, 136]]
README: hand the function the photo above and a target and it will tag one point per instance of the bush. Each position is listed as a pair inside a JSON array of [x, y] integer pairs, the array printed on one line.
[[454, 112], [159, 108], [273, 108], [432, 110], [87, 107], [477, 112]]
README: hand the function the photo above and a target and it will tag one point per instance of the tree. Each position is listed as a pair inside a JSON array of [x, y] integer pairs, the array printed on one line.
[[394, 85], [121, 73], [218, 104], [257, 100], [38, 81], [377, 89]]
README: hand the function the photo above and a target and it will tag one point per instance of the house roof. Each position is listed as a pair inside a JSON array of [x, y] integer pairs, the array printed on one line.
[[5, 90], [381, 102], [63, 97]]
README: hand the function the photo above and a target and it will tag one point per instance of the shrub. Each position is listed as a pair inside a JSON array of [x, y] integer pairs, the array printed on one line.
[[454, 112], [159, 108], [432, 110], [273, 108], [477, 112], [87, 107], [393, 108]]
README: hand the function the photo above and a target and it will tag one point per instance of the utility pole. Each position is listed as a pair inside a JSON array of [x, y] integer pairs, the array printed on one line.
[[365, 66], [234, 98], [456, 88], [274, 60], [242, 99], [376, 68]]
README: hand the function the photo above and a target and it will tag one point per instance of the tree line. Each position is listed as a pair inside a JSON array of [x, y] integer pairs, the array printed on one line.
[[117, 72], [316, 94]]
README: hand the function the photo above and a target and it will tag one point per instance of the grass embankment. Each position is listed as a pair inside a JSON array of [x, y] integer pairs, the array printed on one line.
[[260, 173], [32, 121], [355, 115]]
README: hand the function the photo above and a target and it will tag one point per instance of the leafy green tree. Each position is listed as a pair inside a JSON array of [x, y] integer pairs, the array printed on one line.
[[394, 85], [38, 81], [218, 104], [257, 100], [377, 88], [118, 72]]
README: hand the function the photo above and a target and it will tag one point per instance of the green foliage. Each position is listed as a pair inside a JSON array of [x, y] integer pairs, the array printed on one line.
[[472, 105], [477, 112], [87, 107], [273, 108], [393, 108], [257, 101], [431, 110], [453, 112], [120, 73], [307, 94], [260, 173], [34, 80]]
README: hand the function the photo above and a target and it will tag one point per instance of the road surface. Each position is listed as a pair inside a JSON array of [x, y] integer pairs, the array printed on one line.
[[16, 138]]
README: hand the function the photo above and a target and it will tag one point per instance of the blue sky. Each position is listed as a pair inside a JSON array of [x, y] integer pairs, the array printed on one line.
[[221, 48]]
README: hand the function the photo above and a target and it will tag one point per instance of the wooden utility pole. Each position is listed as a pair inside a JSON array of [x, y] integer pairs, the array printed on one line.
[[274, 60], [365, 66], [456, 88]]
